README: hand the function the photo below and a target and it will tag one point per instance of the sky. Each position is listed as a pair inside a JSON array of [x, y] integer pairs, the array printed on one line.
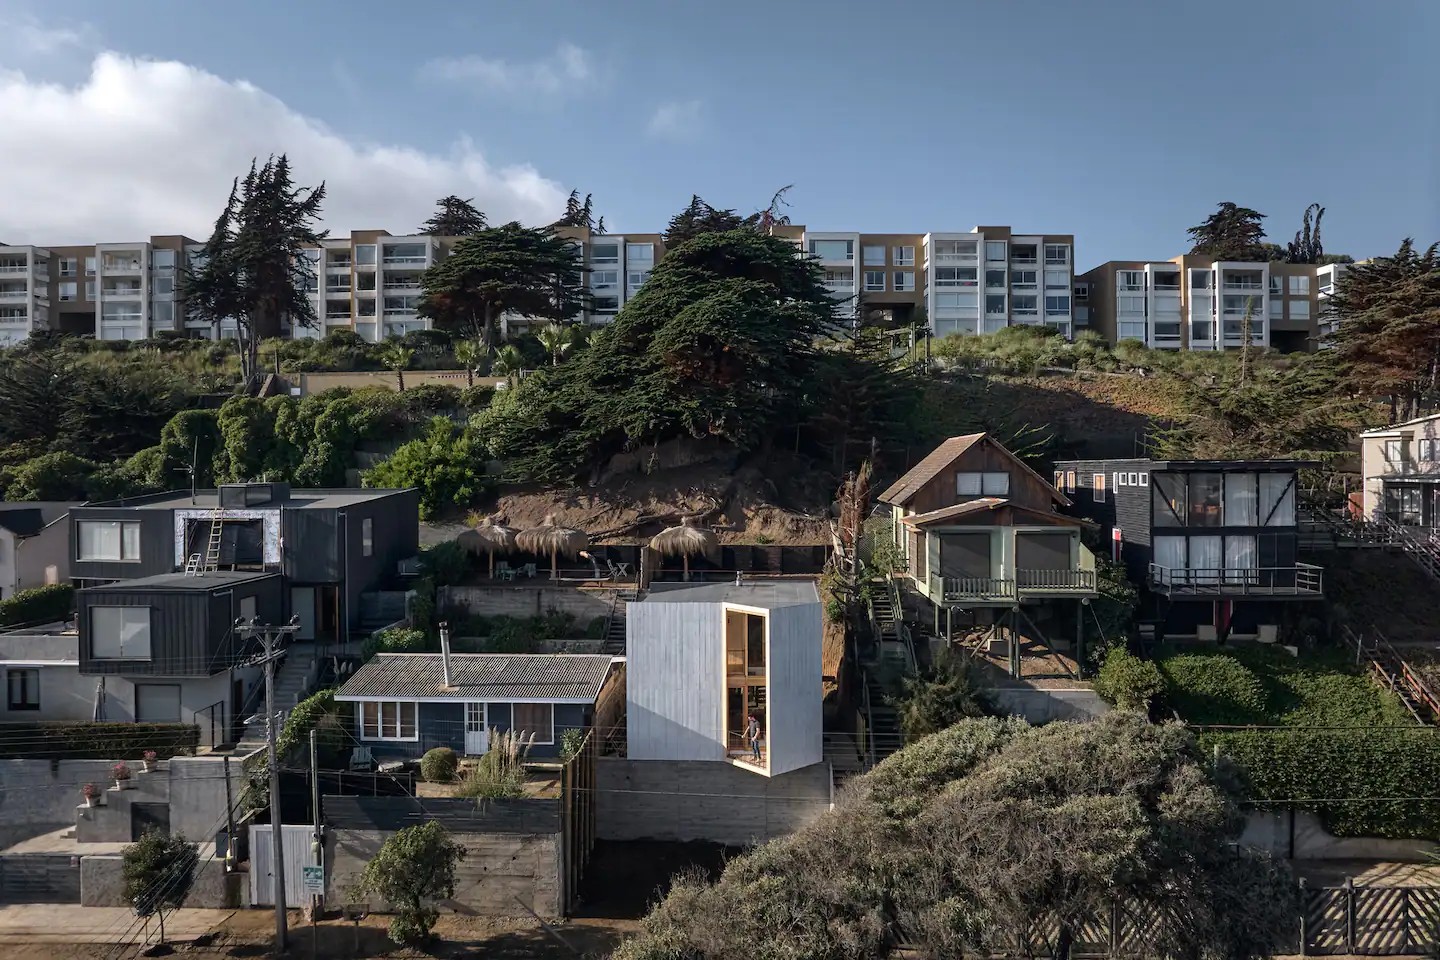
[[1120, 121]]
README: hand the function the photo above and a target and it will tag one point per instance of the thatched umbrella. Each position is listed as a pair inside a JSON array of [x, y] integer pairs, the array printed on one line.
[[685, 541], [489, 538], [553, 539]]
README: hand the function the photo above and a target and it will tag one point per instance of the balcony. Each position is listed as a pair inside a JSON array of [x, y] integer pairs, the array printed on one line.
[[338, 265], [403, 260], [1025, 583], [1244, 285], [401, 285], [972, 589], [337, 317], [13, 269], [121, 293], [11, 293], [1055, 581], [1303, 580], [336, 292], [127, 265]]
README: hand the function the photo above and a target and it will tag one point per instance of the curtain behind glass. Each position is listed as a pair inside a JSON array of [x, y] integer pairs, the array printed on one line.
[[1240, 559], [1206, 559], [1240, 500], [1277, 500], [1169, 556]]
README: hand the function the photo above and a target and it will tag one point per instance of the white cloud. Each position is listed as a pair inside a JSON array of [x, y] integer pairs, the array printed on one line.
[[568, 71], [676, 120], [144, 147], [27, 37]]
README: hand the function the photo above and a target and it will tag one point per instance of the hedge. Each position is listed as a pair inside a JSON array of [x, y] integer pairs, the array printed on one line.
[[38, 604], [1356, 781], [1128, 682], [94, 740]]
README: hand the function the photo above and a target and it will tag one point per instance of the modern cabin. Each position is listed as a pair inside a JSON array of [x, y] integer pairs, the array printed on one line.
[[1201, 536], [703, 658]]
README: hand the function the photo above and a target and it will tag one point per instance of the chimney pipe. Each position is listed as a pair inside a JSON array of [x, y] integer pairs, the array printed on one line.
[[445, 651]]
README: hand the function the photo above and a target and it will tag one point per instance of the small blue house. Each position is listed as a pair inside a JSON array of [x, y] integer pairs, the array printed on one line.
[[403, 706]]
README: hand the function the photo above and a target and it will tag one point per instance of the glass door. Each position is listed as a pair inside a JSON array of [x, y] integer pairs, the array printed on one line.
[[477, 733]]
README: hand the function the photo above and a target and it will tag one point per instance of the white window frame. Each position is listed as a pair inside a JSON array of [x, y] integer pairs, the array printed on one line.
[[612, 259], [904, 281], [904, 256], [1300, 309], [1054, 308], [636, 278], [873, 285], [994, 246], [129, 541], [127, 619], [69, 290], [382, 721], [1131, 281], [1298, 285], [515, 726], [69, 271], [27, 679], [638, 253]]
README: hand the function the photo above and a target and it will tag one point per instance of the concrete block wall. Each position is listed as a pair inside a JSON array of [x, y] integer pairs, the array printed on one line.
[[529, 601], [705, 800], [1040, 705], [102, 884], [110, 822], [40, 796], [498, 868]]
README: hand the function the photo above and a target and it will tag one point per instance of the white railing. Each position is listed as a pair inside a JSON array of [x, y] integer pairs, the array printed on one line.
[[121, 293], [9, 269], [404, 261], [1243, 285], [120, 266], [14, 294]]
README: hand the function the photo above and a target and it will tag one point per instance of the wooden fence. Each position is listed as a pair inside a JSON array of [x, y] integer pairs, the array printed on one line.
[[577, 819]]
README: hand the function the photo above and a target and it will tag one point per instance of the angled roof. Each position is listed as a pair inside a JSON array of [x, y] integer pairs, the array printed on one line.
[[182, 582], [26, 519], [901, 491], [983, 505], [1396, 426], [553, 677]]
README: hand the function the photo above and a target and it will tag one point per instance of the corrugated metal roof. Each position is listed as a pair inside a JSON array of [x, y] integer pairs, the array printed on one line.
[[766, 594], [923, 472], [480, 676]]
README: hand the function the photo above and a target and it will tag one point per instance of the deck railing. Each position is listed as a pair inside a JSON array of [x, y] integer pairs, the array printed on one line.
[[976, 588], [1302, 579], [1055, 579]]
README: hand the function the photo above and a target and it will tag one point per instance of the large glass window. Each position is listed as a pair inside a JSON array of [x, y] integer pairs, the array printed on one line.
[[1240, 500], [639, 254], [120, 633], [1240, 555], [904, 256], [1404, 505], [1277, 500], [833, 249], [365, 253], [1057, 253], [994, 251], [387, 721], [108, 540], [24, 689], [367, 537], [162, 259], [955, 277], [904, 280], [995, 303], [1299, 286], [874, 255], [1204, 499], [874, 279], [535, 720]]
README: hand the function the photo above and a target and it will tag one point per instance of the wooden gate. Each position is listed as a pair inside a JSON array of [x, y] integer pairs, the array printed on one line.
[[577, 819], [1377, 921]]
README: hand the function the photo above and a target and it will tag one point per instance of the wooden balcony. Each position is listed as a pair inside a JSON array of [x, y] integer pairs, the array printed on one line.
[[1302, 581], [1025, 585]]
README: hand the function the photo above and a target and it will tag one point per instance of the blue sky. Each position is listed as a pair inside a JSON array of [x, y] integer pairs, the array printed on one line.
[[1122, 122]]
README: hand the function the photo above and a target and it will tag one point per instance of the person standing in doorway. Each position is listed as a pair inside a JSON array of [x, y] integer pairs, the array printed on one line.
[[752, 733]]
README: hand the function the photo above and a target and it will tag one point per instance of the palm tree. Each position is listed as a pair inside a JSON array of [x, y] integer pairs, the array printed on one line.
[[553, 539], [397, 356], [559, 339], [468, 354], [509, 362], [685, 541], [488, 537]]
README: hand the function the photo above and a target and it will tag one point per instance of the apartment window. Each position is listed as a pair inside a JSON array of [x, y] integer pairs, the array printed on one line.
[[1299, 309], [961, 301], [1277, 308], [68, 290], [108, 540], [639, 254], [874, 279], [166, 285], [162, 313], [537, 719], [1277, 285], [365, 282], [1023, 280], [1022, 304], [995, 303], [24, 687], [833, 249], [1239, 303], [68, 266], [162, 259], [365, 254], [1404, 505], [1299, 286], [604, 279], [1131, 304], [956, 248], [1069, 481], [1392, 451], [1130, 279], [1202, 280], [120, 633], [367, 308], [1427, 448], [1097, 487], [1057, 306], [637, 278], [604, 304], [995, 251], [388, 721], [1057, 280], [367, 537], [1131, 330], [955, 277], [1057, 254], [994, 279], [874, 256], [1023, 253], [904, 280], [904, 256]]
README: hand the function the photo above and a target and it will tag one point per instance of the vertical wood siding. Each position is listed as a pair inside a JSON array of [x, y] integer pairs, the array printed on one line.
[[674, 686], [795, 688]]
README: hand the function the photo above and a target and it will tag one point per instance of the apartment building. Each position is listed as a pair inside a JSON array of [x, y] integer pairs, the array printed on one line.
[[1194, 302], [24, 292]]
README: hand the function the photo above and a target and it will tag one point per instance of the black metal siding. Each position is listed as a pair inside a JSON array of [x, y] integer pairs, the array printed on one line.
[[225, 606], [157, 544], [311, 551], [179, 624], [395, 536], [1126, 507]]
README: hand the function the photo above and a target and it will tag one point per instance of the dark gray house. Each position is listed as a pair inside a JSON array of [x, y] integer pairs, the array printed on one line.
[[403, 706], [165, 648], [1214, 544], [330, 546]]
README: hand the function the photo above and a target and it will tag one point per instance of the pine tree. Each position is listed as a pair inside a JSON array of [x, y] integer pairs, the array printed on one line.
[[699, 217], [580, 213], [1230, 233], [1306, 247], [454, 217]]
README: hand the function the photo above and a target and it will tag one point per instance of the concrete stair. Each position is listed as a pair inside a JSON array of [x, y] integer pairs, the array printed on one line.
[[292, 684]]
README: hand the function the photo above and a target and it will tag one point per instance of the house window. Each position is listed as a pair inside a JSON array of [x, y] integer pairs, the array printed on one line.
[[1057, 254], [1427, 448], [874, 279], [995, 251], [874, 256], [904, 256], [1069, 481], [968, 484], [1404, 505], [537, 719], [24, 687], [1204, 499], [995, 484], [89, 266], [387, 721], [1097, 487], [1299, 286], [833, 249], [108, 540], [367, 537], [120, 633], [1277, 309], [68, 290], [1392, 451], [904, 281]]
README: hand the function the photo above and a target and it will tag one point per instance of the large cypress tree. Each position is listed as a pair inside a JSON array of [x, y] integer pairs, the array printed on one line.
[[1230, 233], [699, 217], [253, 269], [455, 217]]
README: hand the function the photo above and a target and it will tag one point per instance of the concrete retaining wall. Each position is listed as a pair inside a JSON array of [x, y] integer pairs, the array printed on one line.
[[529, 601], [498, 868], [39, 796], [704, 800], [1272, 831], [1039, 705], [102, 884]]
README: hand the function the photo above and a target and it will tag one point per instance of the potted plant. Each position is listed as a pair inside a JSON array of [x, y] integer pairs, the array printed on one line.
[[147, 760], [91, 793], [121, 773]]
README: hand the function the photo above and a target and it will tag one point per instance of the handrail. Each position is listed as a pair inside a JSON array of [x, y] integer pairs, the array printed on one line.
[[902, 629], [1299, 579], [869, 738], [1394, 672]]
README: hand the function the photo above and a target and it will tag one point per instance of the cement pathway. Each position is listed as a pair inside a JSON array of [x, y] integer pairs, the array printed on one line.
[[68, 923]]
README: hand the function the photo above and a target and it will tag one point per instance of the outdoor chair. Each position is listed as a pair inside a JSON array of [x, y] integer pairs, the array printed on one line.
[[507, 574], [362, 759], [529, 570], [501, 568]]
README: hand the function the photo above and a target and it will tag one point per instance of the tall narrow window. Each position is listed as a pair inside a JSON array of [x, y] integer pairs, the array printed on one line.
[[367, 537], [1240, 500]]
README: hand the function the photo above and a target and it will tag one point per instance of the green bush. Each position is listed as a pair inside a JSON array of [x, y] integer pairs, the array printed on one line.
[[1128, 682], [945, 695], [394, 640], [439, 765], [95, 740], [1216, 686], [570, 742], [446, 464], [53, 602]]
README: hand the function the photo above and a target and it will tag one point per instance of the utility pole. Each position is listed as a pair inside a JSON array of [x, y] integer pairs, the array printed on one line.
[[270, 636], [316, 903], [229, 815]]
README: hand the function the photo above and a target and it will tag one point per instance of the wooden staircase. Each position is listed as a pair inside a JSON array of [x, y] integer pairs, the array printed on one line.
[[1322, 529], [614, 644], [1385, 664]]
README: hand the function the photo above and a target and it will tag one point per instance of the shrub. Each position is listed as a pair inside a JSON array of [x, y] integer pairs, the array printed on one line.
[[394, 640], [1215, 686], [95, 740], [446, 464], [439, 765], [500, 772], [446, 563], [1128, 682], [413, 868], [942, 698], [53, 602], [570, 742]]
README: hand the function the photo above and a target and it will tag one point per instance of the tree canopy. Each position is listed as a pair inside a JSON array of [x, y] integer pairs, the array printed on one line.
[[581, 213], [158, 871], [1230, 233], [454, 217], [446, 465], [993, 837], [527, 271], [413, 869]]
